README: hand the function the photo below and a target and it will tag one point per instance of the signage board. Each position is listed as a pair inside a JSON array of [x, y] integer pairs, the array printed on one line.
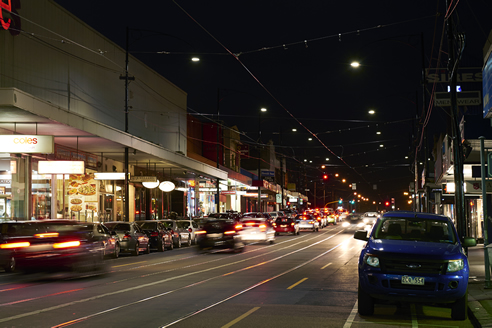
[[487, 86], [109, 176], [143, 178], [61, 167], [16, 143], [278, 198], [465, 98]]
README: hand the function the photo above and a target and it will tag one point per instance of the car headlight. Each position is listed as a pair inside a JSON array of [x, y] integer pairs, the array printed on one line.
[[455, 265], [372, 261]]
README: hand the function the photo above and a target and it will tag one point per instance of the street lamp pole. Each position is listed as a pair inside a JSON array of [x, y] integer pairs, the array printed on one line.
[[127, 78], [218, 149], [260, 180]]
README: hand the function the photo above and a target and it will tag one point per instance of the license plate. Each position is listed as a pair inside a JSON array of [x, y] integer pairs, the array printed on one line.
[[407, 280]]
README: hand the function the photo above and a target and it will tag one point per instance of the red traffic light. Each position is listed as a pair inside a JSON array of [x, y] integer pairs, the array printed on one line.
[[325, 177], [387, 203]]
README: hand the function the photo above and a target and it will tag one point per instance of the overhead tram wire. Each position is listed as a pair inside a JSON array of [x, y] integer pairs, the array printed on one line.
[[267, 90]]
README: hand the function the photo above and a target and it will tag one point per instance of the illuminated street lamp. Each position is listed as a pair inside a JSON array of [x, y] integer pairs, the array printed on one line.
[[355, 64]]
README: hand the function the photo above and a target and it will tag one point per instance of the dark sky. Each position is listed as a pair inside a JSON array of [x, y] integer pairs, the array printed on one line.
[[293, 58]]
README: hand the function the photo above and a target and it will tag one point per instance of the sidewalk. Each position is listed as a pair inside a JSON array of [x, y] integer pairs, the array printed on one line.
[[479, 297]]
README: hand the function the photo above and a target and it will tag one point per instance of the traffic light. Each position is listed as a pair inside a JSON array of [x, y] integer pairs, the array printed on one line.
[[387, 203], [340, 201], [325, 176]]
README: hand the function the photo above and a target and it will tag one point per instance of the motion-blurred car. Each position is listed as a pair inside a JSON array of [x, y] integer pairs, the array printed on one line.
[[370, 218], [132, 238], [191, 227], [414, 257], [355, 220], [160, 237], [256, 229], [59, 245], [286, 225], [307, 221], [10, 231], [221, 234]]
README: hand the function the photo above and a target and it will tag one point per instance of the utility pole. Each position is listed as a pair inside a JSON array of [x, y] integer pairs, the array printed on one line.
[[457, 146], [217, 199], [127, 79]]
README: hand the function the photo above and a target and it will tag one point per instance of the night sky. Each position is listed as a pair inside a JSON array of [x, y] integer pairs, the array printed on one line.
[[293, 58]]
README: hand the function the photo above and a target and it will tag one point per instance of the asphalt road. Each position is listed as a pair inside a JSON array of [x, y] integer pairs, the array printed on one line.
[[309, 280]]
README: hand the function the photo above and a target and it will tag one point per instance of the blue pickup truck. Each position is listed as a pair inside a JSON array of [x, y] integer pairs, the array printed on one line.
[[414, 257]]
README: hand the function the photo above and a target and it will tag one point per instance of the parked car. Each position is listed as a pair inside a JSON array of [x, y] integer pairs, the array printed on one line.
[[307, 221], [160, 237], [176, 232], [109, 240], [10, 231], [286, 225], [59, 245], [190, 226], [258, 229], [414, 257], [132, 238], [221, 234]]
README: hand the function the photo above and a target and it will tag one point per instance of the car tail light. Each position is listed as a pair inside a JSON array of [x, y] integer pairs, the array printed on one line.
[[190, 230], [275, 224], [231, 232], [200, 232], [67, 244], [292, 224], [238, 227], [250, 224], [46, 235], [15, 245], [127, 237], [142, 238], [154, 234]]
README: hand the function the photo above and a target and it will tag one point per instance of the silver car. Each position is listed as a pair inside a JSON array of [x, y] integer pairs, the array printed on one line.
[[256, 229], [307, 221], [131, 238], [189, 226]]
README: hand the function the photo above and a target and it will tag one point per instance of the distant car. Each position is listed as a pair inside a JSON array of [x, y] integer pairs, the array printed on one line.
[[132, 238], [219, 233], [257, 229], [229, 215], [109, 240], [286, 225], [160, 237], [370, 217], [190, 226], [414, 257], [57, 246], [320, 217], [307, 221], [177, 233]]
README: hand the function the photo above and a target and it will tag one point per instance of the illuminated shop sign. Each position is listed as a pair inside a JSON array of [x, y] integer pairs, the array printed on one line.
[[26, 144], [61, 167], [109, 176], [8, 8]]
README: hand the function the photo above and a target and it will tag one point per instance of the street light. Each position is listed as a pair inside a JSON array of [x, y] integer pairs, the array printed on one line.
[[259, 158]]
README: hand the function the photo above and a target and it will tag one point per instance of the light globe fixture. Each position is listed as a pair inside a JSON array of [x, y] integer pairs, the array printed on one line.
[[151, 185], [167, 186]]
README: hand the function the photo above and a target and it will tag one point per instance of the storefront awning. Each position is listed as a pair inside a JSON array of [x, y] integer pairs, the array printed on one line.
[[23, 113]]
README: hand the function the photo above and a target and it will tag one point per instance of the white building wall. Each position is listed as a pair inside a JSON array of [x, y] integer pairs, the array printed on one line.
[[60, 59]]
